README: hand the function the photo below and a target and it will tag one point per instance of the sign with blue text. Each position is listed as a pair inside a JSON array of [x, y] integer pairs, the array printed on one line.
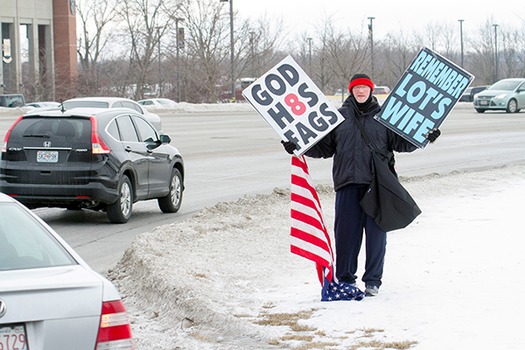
[[293, 105], [424, 96]]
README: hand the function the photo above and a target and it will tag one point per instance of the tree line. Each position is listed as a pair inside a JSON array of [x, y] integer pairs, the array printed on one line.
[[181, 49]]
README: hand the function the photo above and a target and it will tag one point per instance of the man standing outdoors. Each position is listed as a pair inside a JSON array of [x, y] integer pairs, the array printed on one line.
[[352, 175]]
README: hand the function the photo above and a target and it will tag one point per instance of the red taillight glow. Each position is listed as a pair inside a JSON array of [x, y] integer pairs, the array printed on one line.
[[114, 331], [97, 144], [6, 138]]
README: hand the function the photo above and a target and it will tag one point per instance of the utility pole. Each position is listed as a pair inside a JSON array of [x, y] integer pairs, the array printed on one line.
[[495, 52], [178, 44], [232, 56], [371, 32], [160, 69], [310, 54], [461, 40]]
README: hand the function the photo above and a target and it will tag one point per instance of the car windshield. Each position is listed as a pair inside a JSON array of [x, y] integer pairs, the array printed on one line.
[[508, 85], [88, 104], [25, 243]]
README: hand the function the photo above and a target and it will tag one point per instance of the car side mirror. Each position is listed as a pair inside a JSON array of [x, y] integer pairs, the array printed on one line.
[[165, 138]]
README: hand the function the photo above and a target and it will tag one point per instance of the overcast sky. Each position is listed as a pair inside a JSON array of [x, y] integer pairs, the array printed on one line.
[[393, 16]]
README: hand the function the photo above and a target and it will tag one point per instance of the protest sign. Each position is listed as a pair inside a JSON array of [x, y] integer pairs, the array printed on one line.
[[293, 105], [424, 96]]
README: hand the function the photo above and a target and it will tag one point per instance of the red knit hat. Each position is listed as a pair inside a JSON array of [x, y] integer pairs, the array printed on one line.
[[360, 79]]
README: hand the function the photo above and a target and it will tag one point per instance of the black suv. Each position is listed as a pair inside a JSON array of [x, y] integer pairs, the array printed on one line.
[[100, 159]]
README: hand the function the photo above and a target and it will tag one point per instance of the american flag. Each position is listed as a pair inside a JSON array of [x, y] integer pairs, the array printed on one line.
[[309, 237]]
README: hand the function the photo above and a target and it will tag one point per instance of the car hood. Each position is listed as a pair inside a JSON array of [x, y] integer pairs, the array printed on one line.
[[492, 93]]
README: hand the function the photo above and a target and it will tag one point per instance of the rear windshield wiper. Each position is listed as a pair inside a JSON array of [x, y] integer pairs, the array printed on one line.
[[44, 136]]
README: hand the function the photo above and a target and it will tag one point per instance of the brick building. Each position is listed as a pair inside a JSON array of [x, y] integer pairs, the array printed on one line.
[[39, 53]]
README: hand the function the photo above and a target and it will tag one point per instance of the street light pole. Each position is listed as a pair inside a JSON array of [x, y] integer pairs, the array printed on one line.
[[252, 51], [461, 39], [371, 32], [495, 52], [231, 49], [158, 53], [177, 43], [309, 54]]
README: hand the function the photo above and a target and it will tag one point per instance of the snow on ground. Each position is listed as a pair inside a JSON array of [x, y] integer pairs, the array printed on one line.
[[225, 279]]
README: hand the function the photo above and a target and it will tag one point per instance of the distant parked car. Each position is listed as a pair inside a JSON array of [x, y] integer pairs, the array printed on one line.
[[468, 95], [506, 95], [381, 90], [43, 104], [158, 103], [12, 101], [90, 158], [113, 102], [49, 297]]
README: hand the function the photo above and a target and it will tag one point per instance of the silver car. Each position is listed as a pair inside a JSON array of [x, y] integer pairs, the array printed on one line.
[[505, 95], [113, 102], [50, 299]]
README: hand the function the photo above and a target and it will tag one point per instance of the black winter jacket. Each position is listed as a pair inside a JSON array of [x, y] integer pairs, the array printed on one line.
[[352, 162]]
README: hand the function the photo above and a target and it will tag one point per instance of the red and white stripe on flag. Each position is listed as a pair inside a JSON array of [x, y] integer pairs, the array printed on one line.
[[309, 236]]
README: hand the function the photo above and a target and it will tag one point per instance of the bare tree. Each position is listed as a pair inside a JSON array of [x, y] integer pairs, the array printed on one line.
[[344, 54], [483, 58], [268, 40], [511, 55], [147, 22], [207, 48], [126, 46], [95, 16]]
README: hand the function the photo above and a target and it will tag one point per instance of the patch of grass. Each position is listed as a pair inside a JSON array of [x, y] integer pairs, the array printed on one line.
[[283, 319], [318, 345], [298, 337], [380, 345]]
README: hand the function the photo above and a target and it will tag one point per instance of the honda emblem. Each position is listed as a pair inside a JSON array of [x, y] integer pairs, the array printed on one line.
[[3, 308]]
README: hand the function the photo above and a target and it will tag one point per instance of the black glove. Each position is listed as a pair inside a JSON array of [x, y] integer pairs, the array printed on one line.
[[433, 135], [289, 146]]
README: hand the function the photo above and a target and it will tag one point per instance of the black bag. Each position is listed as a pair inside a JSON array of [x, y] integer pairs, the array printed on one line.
[[386, 200]]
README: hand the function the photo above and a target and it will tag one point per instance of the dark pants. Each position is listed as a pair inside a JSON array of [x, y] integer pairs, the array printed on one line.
[[350, 221]]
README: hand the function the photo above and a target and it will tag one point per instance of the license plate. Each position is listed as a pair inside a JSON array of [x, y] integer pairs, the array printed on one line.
[[483, 103], [47, 156], [13, 337]]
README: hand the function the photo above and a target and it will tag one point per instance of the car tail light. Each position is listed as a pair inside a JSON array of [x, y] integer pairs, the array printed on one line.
[[6, 138], [114, 331], [97, 144]]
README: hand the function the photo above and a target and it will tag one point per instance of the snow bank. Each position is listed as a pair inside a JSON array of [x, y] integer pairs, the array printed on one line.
[[225, 279]]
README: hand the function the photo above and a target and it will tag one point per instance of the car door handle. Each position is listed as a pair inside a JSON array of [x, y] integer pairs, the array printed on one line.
[[128, 149]]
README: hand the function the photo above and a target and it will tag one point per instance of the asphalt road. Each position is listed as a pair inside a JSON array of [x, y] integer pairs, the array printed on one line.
[[229, 155]]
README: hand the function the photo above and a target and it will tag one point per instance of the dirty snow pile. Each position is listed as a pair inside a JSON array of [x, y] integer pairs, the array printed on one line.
[[225, 279]]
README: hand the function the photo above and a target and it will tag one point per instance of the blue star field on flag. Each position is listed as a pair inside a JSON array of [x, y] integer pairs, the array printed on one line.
[[333, 291]]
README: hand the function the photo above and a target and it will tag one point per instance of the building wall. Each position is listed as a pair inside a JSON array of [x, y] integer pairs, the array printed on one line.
[[43, 58], [65, 45]]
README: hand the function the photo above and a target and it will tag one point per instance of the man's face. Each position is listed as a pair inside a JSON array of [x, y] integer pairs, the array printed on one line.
[[361, 93]]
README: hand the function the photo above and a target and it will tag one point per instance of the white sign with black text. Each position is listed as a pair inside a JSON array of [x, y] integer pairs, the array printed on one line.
[[293, 105]]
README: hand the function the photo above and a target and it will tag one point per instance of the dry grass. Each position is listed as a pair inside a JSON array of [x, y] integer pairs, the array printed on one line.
[[380, 345], [305, 337], [284, 319]]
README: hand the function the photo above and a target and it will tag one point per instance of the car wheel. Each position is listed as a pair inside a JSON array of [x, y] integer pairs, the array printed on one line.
[[172, 201], [479, 110], [512, 106], [120, 211]]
